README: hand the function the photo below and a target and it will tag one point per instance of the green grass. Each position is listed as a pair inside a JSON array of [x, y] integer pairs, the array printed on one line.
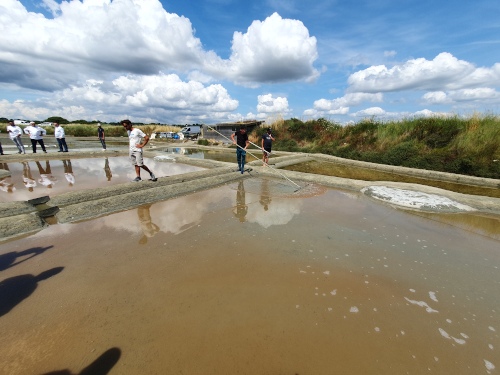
[[450, 144]]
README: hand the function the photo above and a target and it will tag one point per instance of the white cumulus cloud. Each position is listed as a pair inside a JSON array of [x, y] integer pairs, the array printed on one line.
[[443, 72], [273, 50]]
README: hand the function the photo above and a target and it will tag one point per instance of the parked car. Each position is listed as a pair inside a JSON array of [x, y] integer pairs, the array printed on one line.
[[166, 135], [46, 124]]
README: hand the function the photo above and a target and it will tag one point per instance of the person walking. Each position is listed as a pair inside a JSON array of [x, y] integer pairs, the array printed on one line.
[[15, 133], [101, 136], [137, 141], [61, 137], [36, 134], [241, 143], [267, 143]]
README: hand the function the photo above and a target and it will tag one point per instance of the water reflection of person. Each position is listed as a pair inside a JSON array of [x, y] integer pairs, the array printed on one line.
[[265, 197], [68, 172], [46, 177], [29, 181], [241, 208], [7, 185], [107, 170], [148, 227]]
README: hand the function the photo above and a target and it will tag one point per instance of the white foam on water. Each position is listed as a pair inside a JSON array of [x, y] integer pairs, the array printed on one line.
[[490, 346], [412, 290], [491, 329], [422, 304], [449, 337], [436, 359], [415, 199], [489, 366], [333, 292], [464, 335], [448, 320], [377, 329], [432, 296], [354, 310], [326, 272]]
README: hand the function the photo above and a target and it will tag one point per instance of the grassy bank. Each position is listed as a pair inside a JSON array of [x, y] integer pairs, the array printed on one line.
[[450, 144]]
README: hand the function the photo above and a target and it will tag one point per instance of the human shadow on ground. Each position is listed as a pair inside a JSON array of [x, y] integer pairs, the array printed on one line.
[[15, 289], [101, 366], [10, 259]]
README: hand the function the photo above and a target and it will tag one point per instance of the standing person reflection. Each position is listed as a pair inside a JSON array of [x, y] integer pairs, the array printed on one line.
[[46, 178], [7, 185], [28, 180], [107, 170], [68, 172], [241, 208], [265, 197], [149, 229]]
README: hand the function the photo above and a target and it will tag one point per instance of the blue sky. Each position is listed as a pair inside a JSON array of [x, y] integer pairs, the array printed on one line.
[[213, 61]]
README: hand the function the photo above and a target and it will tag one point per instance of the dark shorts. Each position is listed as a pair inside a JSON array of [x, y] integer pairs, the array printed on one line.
[[268, 149]]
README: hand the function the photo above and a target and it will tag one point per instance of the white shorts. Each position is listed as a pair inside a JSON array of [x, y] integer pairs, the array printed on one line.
[[136, 158]]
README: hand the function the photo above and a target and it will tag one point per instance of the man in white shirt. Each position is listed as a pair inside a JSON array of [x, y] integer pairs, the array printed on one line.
[[15, 132], [61, 137], [135, 136], [36, 134]]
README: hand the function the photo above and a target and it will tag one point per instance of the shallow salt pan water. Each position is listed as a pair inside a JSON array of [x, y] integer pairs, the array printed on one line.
[[31, 179], [239, 279]]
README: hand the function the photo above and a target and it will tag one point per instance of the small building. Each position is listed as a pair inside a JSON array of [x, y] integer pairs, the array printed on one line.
[[222, 131]]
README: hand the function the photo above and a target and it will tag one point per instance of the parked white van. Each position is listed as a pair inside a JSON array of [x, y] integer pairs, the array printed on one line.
[[192, 131], [21, 122]]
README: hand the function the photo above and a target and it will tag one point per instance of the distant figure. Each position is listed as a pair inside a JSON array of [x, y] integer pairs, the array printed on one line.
[[1, 149], [241, 206], [61, 137], [101, 135], [36, 134], [28, 180], [15, 133], [68, 172], [267, 142], [136, 136], [107, 169], [241, 143]]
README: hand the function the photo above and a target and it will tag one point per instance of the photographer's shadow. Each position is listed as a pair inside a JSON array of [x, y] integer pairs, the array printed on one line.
[[101, 366], [16, 289], [10, 259]]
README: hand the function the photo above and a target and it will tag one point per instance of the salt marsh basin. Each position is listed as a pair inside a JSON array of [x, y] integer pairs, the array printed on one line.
[[215, 283]]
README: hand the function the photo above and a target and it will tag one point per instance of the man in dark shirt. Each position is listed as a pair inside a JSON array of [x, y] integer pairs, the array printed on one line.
[[267, 142], [102, 137], [241, 143]]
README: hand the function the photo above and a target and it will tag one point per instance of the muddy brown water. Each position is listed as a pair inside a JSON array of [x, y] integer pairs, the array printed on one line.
[[249, 278]]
